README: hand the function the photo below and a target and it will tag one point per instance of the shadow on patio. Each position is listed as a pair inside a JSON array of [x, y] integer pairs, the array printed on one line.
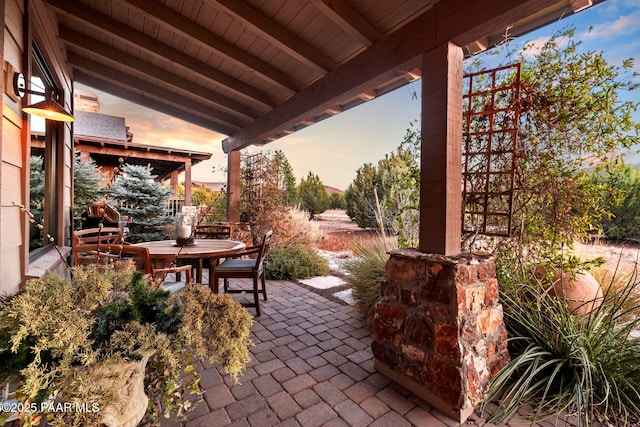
[[312, 366]]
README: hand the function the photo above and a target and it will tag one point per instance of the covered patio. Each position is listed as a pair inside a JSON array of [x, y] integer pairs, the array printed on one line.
[[312, 365], [253, 71]]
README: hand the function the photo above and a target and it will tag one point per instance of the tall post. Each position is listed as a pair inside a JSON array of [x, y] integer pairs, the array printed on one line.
[[233, 186], [174, 183], [187, 182], [441, 176]]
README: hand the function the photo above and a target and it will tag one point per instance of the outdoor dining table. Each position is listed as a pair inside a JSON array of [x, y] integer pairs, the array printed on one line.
[[164, 252]]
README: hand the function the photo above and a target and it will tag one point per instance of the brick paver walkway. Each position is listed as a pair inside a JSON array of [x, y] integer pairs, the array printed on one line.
[[312, 366]]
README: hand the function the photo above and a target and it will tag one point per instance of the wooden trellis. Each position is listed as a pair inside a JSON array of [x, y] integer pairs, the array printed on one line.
[[490, 136]]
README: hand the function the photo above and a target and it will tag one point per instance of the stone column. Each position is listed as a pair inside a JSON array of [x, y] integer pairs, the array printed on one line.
[[438, 328]]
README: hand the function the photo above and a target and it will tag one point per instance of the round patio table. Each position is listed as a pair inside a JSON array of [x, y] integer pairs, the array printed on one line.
[[164, 252]]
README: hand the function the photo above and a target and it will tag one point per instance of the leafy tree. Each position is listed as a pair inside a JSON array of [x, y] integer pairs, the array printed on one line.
[[395, 180], [267, 190], [88, 186], [572, 119], [621, 185], [313, 195], [142, 199]]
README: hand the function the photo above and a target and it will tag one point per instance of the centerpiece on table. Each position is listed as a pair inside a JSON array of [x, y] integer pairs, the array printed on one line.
[[77, 347]]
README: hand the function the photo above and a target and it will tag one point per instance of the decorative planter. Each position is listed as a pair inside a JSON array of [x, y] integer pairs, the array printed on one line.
[[126, 381], [582, 293]]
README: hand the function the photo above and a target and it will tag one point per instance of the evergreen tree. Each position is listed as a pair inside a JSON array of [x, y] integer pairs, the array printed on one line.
[[396, 180], [87, 186], [287, 181], [142, 199], [313, 195]]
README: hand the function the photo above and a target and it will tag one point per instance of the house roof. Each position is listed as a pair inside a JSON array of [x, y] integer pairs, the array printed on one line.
[[99, 127], [257, 70], [105, 138]]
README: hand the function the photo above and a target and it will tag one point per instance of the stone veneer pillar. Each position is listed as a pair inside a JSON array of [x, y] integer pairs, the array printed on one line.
[[438, 328]]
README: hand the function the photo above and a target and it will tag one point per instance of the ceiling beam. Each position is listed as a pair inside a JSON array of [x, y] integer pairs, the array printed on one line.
[[168, 18], [150, 154], [152, 91], [461, 20], [349, 20], [111, 54], [101, 84], [88, 16], [276, 34]]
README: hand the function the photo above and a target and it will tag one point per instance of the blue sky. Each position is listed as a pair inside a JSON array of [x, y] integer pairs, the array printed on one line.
[[336, 147]]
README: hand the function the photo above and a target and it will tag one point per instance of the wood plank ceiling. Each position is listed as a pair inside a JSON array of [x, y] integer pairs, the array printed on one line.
[[256, 70]]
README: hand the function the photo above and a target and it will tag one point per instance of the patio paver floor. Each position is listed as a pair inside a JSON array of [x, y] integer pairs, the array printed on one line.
[[312, 366]]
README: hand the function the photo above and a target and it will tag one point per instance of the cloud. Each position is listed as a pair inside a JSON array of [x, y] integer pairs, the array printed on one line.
[[623, 26]]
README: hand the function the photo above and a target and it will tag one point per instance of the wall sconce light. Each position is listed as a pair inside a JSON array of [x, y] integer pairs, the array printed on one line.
[[49, 108]]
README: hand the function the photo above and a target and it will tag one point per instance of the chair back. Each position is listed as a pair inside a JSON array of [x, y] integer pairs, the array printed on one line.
[[216, 231], [264, 249], [99, 252], [108, 235]]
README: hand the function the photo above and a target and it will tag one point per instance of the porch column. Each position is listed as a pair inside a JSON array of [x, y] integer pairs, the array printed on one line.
[[441, 177], [187, 182], [174, 183], [233, 186], [84, 156]]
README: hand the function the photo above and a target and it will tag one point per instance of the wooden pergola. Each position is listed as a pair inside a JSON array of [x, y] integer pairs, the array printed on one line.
[[258, 70]]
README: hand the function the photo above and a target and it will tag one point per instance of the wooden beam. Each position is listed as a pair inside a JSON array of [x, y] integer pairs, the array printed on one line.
[[441, 151], [461, 20], [103, 23], [168, 18], [276, 34], [128, 95], [233, 186], [111, 54], [153, 91], [349, 20], [124, 150]]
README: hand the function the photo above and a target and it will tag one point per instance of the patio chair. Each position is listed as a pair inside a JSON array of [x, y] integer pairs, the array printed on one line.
[[234, 268], [216, 231], [93, 253], [108, 235]]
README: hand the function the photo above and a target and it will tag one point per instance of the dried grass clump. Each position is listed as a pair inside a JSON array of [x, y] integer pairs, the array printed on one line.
[[367, 272], [292, 227]]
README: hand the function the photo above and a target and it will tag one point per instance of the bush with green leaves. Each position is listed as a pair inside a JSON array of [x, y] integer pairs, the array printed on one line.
[[583, 364], [295, 262], [621, 183]]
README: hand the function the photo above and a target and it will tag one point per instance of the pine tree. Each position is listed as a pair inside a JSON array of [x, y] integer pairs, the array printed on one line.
[[87, 186], [142, 199], [313, 195]]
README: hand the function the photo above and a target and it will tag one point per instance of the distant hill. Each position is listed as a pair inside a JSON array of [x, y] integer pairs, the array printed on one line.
[[330, 190]]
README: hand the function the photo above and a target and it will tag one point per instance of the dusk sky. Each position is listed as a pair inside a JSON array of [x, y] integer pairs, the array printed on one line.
[[336, 147]]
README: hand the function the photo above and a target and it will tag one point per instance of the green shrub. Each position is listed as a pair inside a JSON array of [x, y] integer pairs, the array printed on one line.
[[367, 272], [587, 365], [295, 262]]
